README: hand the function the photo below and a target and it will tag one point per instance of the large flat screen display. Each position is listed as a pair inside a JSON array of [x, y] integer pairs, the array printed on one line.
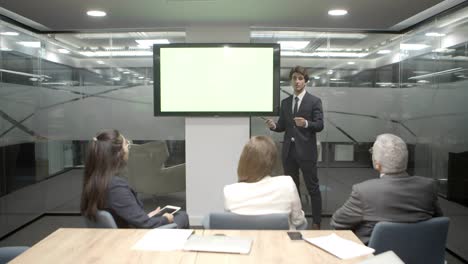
[[216, 79]]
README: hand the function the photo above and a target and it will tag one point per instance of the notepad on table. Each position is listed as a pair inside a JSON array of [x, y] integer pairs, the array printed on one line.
[[340, 247]]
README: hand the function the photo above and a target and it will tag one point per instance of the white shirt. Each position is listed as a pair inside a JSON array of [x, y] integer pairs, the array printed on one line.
[[300, 96], [268, 196]]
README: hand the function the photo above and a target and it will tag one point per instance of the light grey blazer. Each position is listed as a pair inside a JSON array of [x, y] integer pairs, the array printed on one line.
[[392, 198]]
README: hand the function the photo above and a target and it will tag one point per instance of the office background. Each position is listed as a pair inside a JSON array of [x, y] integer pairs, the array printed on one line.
[[58, 89]]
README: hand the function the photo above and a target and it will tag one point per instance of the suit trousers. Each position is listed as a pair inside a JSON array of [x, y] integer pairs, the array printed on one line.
[[291, 164]]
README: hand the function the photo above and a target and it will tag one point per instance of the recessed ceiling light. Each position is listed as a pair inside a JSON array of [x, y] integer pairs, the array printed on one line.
[[9, 33], [141, 77], [384, 51], [64, 51], [351, 62], [293, 45], [434, 34], [5, 49], [337, 12], [99, 62], [126, 72], [96, 13]]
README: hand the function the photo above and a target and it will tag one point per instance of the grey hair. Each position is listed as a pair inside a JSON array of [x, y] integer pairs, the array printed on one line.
[[391, 152]]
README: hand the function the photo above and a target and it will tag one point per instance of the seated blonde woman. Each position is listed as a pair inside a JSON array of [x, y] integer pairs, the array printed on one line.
[[257, 192]]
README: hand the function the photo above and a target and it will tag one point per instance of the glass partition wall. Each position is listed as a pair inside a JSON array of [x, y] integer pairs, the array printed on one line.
[[412, 85], [58, 90]]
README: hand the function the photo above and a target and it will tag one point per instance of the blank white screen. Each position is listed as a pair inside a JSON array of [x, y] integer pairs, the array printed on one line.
[[216, 79]]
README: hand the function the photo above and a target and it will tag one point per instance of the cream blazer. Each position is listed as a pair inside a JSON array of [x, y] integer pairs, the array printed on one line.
[[270, 195]]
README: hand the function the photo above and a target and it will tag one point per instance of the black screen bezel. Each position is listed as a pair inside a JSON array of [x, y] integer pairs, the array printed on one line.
[[157, 80]]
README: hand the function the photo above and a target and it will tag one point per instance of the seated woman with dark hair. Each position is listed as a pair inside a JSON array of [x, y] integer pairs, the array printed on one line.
[[257, 192], [103, 190]]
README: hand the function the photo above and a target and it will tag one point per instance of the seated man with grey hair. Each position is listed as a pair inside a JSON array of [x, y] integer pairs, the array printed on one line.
[[394, 197]]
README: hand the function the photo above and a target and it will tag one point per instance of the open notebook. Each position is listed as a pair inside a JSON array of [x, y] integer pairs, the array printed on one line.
[[219, 243]]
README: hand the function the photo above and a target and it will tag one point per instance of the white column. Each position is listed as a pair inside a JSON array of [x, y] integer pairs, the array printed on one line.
[[212, 144]]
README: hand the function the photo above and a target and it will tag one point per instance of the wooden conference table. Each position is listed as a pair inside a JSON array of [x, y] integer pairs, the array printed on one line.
[[82, 245]]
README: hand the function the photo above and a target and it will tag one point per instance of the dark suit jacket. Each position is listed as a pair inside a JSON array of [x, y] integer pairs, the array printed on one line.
[[305, 138], [122, 202], [395, 198]]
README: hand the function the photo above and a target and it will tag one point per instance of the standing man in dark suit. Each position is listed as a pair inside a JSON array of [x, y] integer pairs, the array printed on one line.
[[301, 116]]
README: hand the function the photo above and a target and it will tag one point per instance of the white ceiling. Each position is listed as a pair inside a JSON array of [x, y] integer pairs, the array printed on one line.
[[66, 15]]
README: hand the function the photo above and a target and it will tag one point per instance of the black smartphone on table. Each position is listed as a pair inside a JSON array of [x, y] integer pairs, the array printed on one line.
[[295, 235]]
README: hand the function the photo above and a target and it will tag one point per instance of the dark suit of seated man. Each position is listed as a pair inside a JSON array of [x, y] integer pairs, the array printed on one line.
[[394, 197]]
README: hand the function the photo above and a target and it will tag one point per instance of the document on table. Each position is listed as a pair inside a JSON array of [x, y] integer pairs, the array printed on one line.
[[340, 247], [163, 240]]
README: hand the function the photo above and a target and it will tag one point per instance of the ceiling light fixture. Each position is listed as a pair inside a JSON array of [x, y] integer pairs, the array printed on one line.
[[443, 50], [122, 53], [293, 45], [96, 13], [384, 51], [337, 12], [409, 46], [64, 51], [99, 62], [30, 44], [434, 34], [351, 62], [449, 71], [294, 35], [324, 54], [9, 33], [147, 43]]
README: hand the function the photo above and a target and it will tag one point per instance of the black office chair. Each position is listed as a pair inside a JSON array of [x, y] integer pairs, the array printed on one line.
[[9, 253], [104, 219], [422, 242], [227, 220]]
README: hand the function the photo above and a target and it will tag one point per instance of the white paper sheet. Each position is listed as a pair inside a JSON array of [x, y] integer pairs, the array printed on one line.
[[340, 247], [163, 240]]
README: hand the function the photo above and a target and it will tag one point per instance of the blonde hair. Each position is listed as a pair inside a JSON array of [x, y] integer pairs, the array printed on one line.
[[257, 159]]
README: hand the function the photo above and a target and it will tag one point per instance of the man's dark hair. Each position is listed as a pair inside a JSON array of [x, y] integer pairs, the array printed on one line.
[[301, 70]]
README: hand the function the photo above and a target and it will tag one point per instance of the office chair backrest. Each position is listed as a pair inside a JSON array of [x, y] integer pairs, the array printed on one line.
[[9, 253], [421, 242], [103, 220], [227, 220]]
